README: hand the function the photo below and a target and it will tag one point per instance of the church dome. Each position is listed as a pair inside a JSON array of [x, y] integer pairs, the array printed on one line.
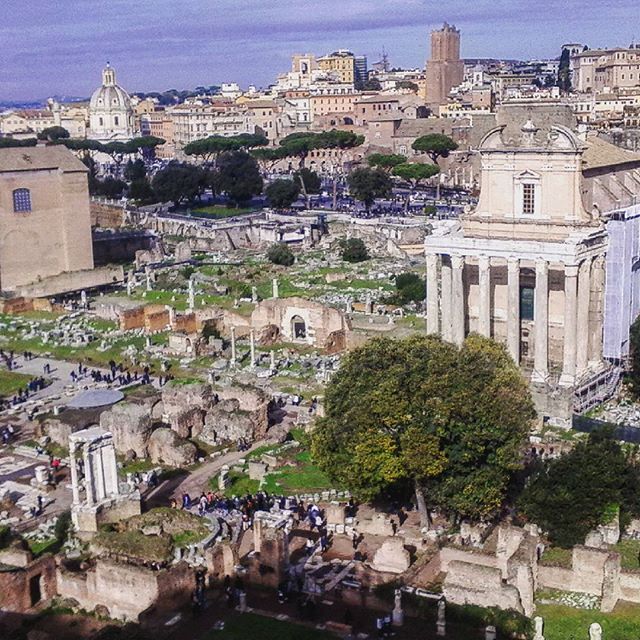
[[110, 96]]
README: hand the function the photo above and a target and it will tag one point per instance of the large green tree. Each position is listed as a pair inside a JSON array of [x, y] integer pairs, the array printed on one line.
[[5, 143], [633, 376], [238, 176], [414, 174], [178, 182], [282, 193], [54, 133], [386, 161], [209, 149], [564, 71], [423, 415], [571, 495], [435, 145], [368, 184]]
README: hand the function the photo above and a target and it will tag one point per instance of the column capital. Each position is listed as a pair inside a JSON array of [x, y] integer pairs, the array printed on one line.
[[513, 263], [542, 266], [432, 259], [571, 270], [484, 262], [457, 262]]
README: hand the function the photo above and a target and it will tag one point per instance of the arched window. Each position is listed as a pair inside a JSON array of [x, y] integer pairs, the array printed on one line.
[[21, 200], [298, 328]]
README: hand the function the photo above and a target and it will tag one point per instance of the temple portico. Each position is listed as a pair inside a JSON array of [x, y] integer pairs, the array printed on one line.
[[537, 303]]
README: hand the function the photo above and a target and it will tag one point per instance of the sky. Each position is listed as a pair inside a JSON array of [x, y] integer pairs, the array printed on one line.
[[58, 47]]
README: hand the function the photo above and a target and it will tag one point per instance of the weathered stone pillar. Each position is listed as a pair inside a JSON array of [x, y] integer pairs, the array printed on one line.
[[598, 279], [484, 297], [568, 377], [252, 341], [433, 311], [541, 322], [88, 475], [101, 491], [513, 308], [445, 302], [75, 489], [584, 304], [233, 345], [457, 299]]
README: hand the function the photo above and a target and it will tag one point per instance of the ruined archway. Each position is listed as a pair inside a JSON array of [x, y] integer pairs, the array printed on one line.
[[298, 328]]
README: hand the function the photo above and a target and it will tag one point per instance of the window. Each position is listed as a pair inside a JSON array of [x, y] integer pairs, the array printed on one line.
[[21, 201], [117, 121], [528, 198], [526, 303]]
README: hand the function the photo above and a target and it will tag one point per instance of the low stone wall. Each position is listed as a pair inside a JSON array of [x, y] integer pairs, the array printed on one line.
[[468, 583], [125, 590], [629, 586], [451, 554], [72, 281]]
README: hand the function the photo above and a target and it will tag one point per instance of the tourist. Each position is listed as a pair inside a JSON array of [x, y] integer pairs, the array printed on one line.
[[186, 501]]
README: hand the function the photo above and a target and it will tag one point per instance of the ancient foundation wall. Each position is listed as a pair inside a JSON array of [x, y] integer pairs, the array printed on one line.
[[71, 281], [15, 585]]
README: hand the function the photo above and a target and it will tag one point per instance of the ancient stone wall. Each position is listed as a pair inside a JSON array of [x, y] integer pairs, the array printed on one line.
[[125, 590], [72, 281], [15, 585], [468, 583], [106, 216]]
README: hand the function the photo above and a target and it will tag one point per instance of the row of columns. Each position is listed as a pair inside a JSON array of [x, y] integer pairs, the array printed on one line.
[[446, 313]]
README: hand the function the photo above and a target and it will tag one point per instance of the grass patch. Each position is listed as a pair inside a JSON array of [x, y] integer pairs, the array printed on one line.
[[305, 476], [240, 484], [11, 382], [557, 557], [566, 623], [40, 547], [629, 551], [249, 625], [218, 212]]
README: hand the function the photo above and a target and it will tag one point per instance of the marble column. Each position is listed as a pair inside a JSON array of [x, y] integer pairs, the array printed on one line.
[[568, 376], [513, 308], [584, 304], [252, 341], [75, 489], [445, 302], [541, 323], [457, 298], [484, 296], [598, 278], [233, 345], [101, 491], [433, 321], [88, 476]]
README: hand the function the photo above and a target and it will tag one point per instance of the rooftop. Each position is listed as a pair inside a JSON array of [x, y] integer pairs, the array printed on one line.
[[40, 158]]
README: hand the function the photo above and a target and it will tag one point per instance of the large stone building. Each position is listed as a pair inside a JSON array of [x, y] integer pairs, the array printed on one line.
[[45, 224], [445, 69], [527, 266], [111, 114], [342, 64], [604, 71]]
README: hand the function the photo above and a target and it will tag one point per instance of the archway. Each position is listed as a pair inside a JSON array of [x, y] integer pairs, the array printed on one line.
[[298, 328]]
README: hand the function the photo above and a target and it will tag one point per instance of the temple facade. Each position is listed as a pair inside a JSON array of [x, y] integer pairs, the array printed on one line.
[[527, 267]]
